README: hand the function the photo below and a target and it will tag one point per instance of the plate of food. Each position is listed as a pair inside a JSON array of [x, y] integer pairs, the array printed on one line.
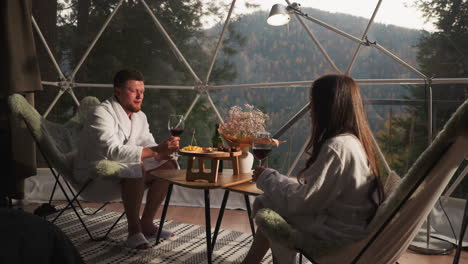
[[207, 152], [191, 148], [197, 149]]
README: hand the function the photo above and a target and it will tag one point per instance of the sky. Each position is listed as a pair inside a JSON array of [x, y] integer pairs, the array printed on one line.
[[395, 12]]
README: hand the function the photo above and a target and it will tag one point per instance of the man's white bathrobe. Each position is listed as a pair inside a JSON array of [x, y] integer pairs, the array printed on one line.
[[111, 135]]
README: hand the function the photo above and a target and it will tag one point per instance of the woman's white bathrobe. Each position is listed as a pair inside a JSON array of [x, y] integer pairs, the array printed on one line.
[[111, 134], [335, 202]]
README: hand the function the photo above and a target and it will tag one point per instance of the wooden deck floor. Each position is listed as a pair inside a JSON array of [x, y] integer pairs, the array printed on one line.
[[237, 220]]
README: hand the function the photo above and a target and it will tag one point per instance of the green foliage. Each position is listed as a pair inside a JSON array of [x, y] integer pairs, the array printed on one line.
[[449, 15], [441, 54]]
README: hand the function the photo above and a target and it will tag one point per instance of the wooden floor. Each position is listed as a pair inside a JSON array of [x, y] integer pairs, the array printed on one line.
[[236, 220]]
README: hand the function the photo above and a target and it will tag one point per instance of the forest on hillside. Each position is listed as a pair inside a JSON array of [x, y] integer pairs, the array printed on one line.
[[287, 53], [280, 54]]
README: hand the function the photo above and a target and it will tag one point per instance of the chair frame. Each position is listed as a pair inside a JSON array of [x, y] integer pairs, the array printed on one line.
[[70, 202], [387, 221], [392, 215]]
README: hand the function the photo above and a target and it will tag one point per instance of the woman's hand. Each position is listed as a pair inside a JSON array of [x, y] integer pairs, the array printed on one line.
[[257, 172]]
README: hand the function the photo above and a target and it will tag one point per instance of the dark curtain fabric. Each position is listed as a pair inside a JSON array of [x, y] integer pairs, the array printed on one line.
[[19, 74]]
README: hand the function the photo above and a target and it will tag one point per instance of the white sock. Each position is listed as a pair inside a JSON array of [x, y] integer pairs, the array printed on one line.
[[164, 234]]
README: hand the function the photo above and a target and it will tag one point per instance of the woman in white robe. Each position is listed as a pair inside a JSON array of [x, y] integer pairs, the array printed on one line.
[[331, 199]]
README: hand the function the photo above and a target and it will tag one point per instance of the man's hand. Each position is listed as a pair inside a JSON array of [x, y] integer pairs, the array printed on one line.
[[167, 147], [257, 172]]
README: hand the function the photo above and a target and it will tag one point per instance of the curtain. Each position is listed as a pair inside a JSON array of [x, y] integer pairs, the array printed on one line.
[[19, 74]]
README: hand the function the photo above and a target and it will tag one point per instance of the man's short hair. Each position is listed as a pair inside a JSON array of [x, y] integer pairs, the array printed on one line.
[[121, 78]]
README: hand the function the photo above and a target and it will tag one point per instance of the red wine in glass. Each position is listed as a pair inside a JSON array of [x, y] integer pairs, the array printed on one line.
[[261, 153], [175, 132], [261, 147], [176, 125]]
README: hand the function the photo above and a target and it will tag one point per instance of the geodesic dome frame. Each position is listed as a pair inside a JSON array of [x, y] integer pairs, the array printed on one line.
[[203, 87]]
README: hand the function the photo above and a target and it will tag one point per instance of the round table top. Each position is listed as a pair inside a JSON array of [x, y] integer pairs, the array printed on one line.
[[249, 188], [225, 179], [210, 154]]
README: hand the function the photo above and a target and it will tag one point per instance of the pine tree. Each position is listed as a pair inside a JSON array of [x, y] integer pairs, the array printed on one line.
[[441, 54]]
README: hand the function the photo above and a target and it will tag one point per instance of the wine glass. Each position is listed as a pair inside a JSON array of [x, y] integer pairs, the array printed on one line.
[[176, 126], [262, 147]]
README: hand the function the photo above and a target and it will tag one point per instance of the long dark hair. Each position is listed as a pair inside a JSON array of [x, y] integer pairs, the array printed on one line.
[[336, 108]]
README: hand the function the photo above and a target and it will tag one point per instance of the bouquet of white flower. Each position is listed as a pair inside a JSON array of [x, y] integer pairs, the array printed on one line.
[[243, 123]]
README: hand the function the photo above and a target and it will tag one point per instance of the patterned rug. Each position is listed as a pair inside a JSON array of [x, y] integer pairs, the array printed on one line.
[[187, 246]]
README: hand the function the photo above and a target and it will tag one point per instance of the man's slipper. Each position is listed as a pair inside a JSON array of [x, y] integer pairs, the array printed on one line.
[[137, 241], [165, 234]]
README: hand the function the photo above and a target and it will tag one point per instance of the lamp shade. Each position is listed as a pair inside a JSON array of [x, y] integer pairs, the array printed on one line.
[[278, 15]]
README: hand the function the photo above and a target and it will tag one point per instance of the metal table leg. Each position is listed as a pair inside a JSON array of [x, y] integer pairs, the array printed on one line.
[[220, 218], [208, 224], [249, 213], [163, 216]]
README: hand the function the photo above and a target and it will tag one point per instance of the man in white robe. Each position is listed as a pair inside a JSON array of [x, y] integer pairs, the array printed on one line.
[[117, 130]]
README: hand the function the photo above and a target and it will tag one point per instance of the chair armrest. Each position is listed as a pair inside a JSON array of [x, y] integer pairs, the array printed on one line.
[[277, 229], [108, 168]]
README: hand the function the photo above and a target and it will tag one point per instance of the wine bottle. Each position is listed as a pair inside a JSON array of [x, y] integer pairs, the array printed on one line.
[[217, 142]]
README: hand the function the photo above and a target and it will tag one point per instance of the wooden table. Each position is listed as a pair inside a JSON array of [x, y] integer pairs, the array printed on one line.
[[214, 157], [179, 177]]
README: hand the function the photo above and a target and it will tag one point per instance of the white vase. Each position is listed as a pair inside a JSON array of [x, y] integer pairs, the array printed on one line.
[[245, 160]]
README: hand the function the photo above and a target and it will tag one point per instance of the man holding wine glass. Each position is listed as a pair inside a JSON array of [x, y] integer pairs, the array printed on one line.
[[118, 130]]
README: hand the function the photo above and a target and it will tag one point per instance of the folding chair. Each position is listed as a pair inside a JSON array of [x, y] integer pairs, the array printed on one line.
[[57, 144], [397, 220]]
